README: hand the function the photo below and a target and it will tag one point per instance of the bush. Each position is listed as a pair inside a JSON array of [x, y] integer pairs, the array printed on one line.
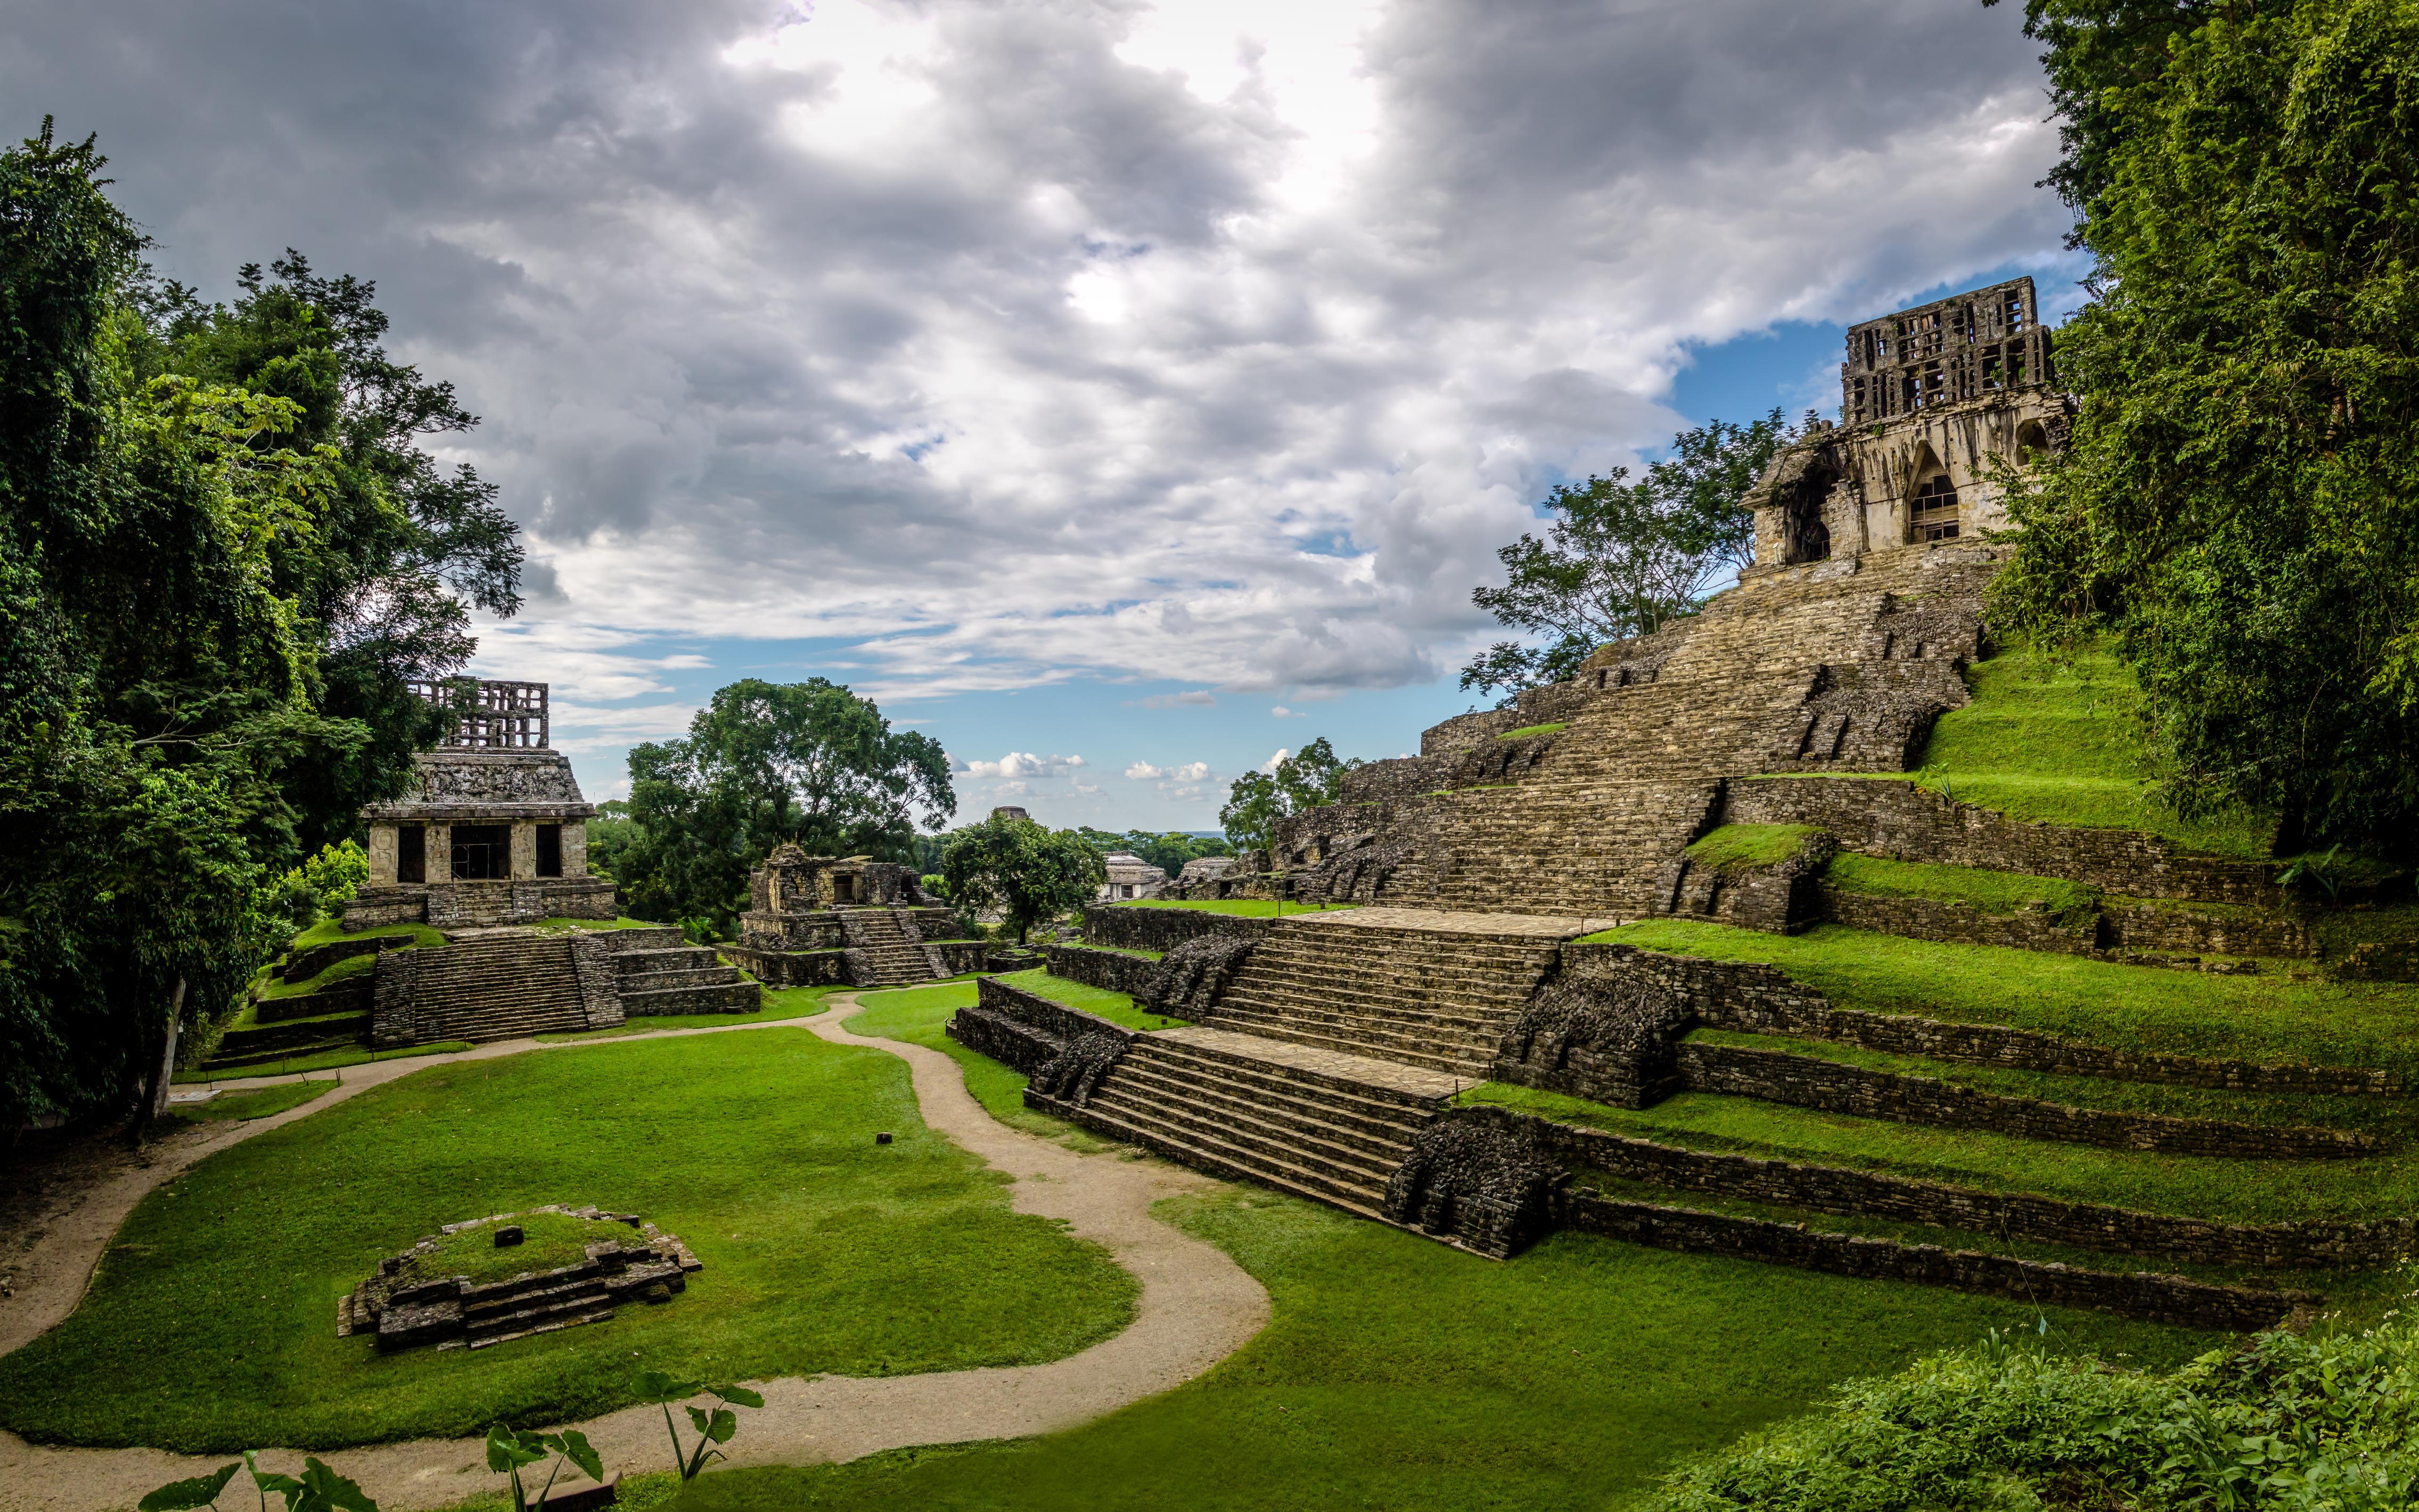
[[2329, 1421]]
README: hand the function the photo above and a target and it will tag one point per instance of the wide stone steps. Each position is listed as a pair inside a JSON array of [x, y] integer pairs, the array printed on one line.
[[1467, 1068], [1446, 1025], [1328, 1126]]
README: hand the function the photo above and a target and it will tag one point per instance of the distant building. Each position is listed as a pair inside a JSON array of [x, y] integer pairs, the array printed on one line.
[[1130, 876]]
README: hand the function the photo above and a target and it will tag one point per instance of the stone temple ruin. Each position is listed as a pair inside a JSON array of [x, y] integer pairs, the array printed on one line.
[[814, 919], [495, 830], [493, 839], [1327, 1049]]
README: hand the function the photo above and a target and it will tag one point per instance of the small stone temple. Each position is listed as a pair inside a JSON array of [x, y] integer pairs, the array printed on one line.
[[813, 920], [494, 831]]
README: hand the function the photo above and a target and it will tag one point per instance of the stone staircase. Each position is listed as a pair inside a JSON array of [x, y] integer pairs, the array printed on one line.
[[1435, 991], [500, 986], [886, 950], [1321, 1124], [661, 975]]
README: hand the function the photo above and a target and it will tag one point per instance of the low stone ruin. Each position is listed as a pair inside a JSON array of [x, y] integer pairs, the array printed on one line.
[[404, 1309]]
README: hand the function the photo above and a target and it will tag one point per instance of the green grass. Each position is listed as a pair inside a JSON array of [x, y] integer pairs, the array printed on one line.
[[779, 1003], [2056, 739], [1115, 1007], [260, 1102], [549, 1242], [918, 1016], [328, 931], [211, 1321], [268, 987], [2000, 893], [1241, 907], [2198, 1186], [1399, 1374], [1735, 847], [568, 926], [2391, 1119], [2261, 1018], [320, 1060], [1526, 730]]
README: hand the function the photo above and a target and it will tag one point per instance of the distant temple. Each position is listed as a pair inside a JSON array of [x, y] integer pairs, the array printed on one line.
[[495, 830]]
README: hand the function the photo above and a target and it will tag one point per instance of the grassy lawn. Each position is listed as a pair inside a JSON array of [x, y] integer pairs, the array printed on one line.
[[918, 1016], [260, 1102], [1736, 846], [1115, 1007], [352, 966], [2257, 1018], [779, 1003], [2056, 739], [1399, 1374], [1240, 907], [210, 1323]]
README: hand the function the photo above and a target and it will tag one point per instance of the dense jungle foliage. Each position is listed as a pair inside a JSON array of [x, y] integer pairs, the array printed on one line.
[[221, 553], [2240, 508]]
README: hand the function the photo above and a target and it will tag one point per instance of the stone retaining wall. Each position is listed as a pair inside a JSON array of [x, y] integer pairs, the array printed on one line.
[[2316, 1245], [1144, 928], [350, 996], [1022, 1029], [1808, 1081], [302, 965], [1886, 817], [2151, 927], [1743, 995], [1109, 970], [788, 968], [600, 974], [2166, 1299]]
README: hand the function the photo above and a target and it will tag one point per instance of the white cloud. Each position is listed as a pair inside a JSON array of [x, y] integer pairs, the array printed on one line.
[[1282, 713], [1023, 764], [1270, 766], [1190, 771], [1208, 342], [1144, 772], [1195, 699]]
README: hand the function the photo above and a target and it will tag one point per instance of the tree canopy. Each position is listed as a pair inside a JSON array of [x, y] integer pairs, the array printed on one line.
[[179, 720], [1622, 559], [764, 764], [1025, 871], [1311, 777], [2241, 503]]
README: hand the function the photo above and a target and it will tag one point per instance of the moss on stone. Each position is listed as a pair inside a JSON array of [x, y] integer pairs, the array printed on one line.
[[1736, 847], [2001, 893]]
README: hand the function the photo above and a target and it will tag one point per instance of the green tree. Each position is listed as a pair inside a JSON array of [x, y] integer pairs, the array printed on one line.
[[764, 764], [1025, 871], [2240, 503], [1311, 777], [175, 538], [1622, 559]]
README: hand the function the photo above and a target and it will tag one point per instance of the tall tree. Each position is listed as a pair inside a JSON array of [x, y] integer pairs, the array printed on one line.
[[1025, 871], [1311, 777], [1622, 559], [764, 764], [2240, 503]]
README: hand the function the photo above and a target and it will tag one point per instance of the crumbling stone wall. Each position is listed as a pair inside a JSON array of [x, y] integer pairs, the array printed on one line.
[[1477, 1178], [1780, 898], [1144, 928], [1608, 1040]]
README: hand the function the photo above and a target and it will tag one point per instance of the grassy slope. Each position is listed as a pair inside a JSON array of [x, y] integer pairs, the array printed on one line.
[[320, 1060], [261, 1102], [1403, 1375], [2257, 1018], [2238, 1191], [1115, 1007], [1749, 846], [328, 931], [210, 1324], [1991, 892], [2053, 739]]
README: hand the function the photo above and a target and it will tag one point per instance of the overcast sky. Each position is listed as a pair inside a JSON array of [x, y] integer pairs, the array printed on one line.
[[1120, 393]]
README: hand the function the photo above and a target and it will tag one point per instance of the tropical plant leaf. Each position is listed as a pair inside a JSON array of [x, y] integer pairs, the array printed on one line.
[[201, 1490]]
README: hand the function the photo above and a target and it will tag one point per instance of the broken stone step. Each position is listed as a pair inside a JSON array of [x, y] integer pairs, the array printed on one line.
[[550, 1326]]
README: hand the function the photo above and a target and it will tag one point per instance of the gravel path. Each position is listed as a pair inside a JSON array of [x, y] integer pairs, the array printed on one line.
[[1197, 1306]]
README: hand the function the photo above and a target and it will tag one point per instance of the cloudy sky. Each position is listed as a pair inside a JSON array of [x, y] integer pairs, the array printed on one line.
[[1120, 392]]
